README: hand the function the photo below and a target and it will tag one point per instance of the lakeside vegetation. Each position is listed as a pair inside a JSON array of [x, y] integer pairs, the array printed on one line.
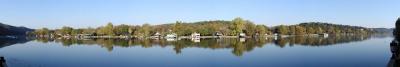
[[205, 28]]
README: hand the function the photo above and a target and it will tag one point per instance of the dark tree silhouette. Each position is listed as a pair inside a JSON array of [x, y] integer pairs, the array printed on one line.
[[397, 29], [395, 47]]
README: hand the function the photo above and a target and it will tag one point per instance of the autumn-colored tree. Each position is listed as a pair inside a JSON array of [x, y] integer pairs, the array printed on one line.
[[319, 30], [300, 30]]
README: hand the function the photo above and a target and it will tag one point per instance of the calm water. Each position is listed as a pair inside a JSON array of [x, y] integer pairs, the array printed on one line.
[[338, 51]]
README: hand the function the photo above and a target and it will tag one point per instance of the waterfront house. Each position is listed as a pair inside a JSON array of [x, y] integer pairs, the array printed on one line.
[[156, 36], [195, 35], [325, 35], [172, 35], [242, 35]]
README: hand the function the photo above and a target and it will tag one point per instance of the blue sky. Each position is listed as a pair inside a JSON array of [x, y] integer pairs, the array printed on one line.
[[94, 13]]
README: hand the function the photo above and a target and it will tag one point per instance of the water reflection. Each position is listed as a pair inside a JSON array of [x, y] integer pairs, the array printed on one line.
[[238, 46], [395, 49], [4, 42], [3, 62]]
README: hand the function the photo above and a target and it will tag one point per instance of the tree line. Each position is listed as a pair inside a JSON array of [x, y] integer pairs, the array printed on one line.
[[207, 28]]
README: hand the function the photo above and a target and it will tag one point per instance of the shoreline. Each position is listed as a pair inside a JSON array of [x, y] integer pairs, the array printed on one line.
[[178, 37]]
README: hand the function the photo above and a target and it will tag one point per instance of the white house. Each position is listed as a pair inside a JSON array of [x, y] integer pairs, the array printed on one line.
[[173, 35], [242, 35], [156, 36], [195, 35]]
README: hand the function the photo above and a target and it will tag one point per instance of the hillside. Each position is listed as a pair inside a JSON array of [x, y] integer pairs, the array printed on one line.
[[13, 30], [210, 28]]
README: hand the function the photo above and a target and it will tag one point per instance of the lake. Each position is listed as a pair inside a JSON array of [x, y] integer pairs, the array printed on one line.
[[300, 51]]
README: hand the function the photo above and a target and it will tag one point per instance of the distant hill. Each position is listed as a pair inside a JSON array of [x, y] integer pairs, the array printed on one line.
[[13, 30], [382, 30]]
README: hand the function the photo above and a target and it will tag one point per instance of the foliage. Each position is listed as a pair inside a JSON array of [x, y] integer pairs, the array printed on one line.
[[282, 30], [238, 24], [210, 28]]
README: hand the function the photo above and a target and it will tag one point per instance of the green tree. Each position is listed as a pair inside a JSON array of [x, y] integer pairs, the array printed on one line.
[[66, 30], [262, 29], [180, 29], [106, 30], [282, 30], [238, 24], [76, 32], [109, 29], [89, 31], [135, 30], [42, 31], [250, 28], [122, 29], [145, 30]]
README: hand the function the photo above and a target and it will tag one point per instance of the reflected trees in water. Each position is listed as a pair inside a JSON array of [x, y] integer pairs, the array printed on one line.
[[238, 47]]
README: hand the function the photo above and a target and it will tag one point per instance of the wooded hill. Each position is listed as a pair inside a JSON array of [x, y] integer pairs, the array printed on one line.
[[209, 28], [13, 30]]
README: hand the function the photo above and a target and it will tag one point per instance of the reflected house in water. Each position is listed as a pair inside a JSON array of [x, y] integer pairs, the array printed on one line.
[[242, 39], [195, 37], [238, 47], [325, 35], [3, 62]]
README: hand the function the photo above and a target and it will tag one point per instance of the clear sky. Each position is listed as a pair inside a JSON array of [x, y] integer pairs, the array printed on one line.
[[93, 13]]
